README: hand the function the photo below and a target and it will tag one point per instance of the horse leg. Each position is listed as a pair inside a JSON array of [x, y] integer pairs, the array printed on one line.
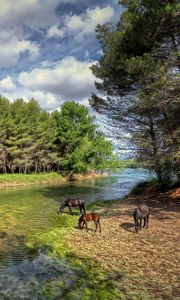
[[147, 219], [70, 210], [140, 223], [86, 225], [83, 222], [144, 221], [80, 208], [96, 225], [84, 209], [99, 226]]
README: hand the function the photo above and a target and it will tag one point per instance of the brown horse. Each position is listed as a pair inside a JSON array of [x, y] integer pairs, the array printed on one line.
[[141, 212], [89, 217], [72, 203]]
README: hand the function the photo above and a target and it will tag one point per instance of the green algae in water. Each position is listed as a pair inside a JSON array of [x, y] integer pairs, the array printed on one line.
[[46, 278]]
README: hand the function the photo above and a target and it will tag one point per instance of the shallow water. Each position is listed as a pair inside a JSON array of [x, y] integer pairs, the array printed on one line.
[[32, 210]]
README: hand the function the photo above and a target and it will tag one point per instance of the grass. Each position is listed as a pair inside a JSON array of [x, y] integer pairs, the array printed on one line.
[[25, 179], [10, 180]]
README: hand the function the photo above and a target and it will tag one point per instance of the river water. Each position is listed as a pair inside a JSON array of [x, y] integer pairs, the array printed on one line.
[[29, 210]]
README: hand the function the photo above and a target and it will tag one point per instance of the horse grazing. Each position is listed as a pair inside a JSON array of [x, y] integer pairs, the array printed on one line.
[[141, 212], [89, 217], [72, 203]]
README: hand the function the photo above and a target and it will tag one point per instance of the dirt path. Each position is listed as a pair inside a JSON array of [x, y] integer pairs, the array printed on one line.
[[147, 262]]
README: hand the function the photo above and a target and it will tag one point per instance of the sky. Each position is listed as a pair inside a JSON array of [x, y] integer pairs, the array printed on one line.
[[48, 46]]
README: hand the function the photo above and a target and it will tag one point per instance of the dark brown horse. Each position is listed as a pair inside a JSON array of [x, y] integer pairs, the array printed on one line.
[[141, 212], [72, 203], [89, 217]]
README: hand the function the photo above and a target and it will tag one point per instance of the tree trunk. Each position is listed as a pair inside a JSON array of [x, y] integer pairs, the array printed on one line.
[[157, 166]]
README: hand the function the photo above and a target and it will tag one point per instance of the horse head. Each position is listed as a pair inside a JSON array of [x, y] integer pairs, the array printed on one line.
[[63, 204], [80, 222], [137, 216]]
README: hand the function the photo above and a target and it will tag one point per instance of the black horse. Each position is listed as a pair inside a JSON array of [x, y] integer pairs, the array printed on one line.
[[72, 203], [141, 212]]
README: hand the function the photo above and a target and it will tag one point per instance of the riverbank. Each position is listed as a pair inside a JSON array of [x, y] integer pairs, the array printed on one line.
[[116, 264], [144, 265], [14, 180]]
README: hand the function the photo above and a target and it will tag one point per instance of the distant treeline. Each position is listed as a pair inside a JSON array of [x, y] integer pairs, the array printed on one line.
[[66, 141]]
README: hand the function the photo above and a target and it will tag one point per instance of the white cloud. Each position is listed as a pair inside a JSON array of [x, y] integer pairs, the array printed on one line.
[[11, 48], [52, 84], [17, 15], [39, 16], [86, 23], [7, 84], [46, 100], [32, 13], [54, 31], [69, 79]]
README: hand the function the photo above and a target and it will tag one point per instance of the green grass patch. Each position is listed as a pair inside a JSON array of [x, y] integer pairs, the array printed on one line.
[[25, 179], [89, 280]]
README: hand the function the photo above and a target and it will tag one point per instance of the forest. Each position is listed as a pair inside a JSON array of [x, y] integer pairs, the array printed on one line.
[[138, 83], [66, 141]]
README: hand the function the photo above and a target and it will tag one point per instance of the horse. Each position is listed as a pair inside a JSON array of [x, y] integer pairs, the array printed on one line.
[[89, 217], [72, 203], [141, 212]]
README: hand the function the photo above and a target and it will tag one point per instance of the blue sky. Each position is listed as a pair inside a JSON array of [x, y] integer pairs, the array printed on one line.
[[48, 46]]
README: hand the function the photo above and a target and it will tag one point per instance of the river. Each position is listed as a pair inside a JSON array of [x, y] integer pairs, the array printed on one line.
[[29, 210]]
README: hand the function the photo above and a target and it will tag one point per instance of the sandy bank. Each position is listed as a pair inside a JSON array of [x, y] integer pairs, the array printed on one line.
[[146, 262]]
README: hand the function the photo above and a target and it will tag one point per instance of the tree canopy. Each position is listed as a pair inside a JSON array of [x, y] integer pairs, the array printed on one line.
[[139, 72], [77, 140]]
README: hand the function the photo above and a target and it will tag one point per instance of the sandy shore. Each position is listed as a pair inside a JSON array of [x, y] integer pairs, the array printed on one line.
[[143, 263]]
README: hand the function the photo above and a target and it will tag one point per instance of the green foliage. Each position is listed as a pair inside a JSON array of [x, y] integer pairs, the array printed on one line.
[[81, 147]]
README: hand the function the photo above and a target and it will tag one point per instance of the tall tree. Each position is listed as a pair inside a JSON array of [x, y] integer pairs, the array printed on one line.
[[139, 61], [76, 139]]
